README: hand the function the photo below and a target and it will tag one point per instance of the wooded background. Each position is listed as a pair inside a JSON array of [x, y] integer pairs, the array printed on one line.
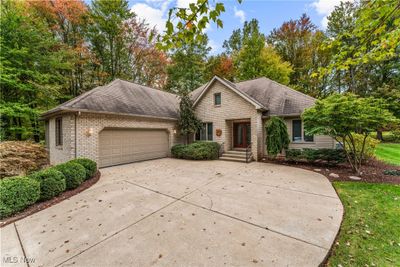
[[54, 50]]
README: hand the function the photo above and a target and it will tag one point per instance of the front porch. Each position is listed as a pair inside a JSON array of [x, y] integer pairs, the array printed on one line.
[[238, 146]]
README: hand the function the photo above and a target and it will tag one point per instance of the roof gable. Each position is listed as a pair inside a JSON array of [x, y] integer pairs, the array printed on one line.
[[201, 91]]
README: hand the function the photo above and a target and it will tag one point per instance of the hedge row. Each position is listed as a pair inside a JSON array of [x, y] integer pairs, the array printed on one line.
[[17, 193], [326, 155], [200, 150]]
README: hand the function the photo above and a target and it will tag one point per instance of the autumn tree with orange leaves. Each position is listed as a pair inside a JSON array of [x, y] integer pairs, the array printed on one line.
[[54, 50], [221, 66], [68, 21]]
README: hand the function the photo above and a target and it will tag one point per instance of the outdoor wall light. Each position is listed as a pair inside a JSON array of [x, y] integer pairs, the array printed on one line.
[[89, 132]]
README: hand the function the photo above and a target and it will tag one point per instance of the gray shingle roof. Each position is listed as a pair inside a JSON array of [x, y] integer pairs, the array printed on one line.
[[196, 93], [277, 98], [125, 98]]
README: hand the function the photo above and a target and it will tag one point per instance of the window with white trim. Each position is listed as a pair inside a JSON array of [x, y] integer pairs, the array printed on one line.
[[205, 133]]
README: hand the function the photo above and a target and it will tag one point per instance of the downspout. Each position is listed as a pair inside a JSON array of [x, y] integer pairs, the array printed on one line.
[[76, 138]]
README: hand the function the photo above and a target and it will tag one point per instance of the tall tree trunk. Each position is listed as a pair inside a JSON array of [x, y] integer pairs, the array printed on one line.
[[36, 130], [112, 58], [18, 135], [379, 135]]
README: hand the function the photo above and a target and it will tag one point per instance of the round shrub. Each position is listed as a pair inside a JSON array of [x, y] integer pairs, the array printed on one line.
[[52, 183], [74, 174], [17, 193], [200, 150], [89, 165], [178, 151]]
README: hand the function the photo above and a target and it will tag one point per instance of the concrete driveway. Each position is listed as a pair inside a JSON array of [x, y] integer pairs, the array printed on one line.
[[171, 212]]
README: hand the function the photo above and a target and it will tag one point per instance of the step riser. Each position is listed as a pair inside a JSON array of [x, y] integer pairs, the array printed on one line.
[[236, 152], [233, 159], [234, 156]]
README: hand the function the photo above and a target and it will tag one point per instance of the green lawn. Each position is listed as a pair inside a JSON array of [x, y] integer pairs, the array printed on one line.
[[370, 232], [389, 153]]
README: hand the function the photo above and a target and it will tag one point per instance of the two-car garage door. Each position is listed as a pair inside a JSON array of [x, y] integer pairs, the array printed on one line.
[[119, 146]]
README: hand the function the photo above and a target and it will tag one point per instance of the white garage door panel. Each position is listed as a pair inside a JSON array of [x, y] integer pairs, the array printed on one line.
[[125, 146]]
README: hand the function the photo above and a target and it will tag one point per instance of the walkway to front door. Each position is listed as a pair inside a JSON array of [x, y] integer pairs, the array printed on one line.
[[241, 134]]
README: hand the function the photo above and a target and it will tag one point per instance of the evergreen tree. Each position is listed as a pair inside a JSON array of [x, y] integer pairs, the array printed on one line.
[[188, 123], [277, 137]]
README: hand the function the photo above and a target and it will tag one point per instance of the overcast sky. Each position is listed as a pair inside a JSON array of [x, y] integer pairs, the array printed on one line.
[[270, 14]]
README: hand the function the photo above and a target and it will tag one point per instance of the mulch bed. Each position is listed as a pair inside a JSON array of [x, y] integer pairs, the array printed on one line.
[[45, 204], [372, 171]]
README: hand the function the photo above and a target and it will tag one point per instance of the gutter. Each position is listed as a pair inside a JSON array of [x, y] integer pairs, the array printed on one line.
[[282, 115], [76, 148], [66, 110]]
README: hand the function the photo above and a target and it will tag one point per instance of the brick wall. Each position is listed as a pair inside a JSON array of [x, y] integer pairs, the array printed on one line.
[[233, 107], [59, 154], [87, 146]]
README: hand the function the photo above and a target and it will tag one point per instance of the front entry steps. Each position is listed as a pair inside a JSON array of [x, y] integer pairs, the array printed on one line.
[[235, 155]]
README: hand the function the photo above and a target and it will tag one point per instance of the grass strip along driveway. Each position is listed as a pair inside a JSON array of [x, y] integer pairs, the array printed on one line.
[[370, 232], [389, 153]]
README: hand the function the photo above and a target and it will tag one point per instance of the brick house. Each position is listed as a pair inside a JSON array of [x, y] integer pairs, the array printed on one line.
[[123, 122]]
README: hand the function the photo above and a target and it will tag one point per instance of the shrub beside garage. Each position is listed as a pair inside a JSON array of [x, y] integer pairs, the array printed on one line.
[[200, 150], [74, 174], [19, 192], [89, 165], [52, 183]]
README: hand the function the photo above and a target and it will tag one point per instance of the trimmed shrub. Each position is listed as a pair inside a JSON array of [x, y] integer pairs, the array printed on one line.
[[17, 193], [200, 150], [326, 155], [52, 183], [293, 154], [89, 165], [74, 174], [178, 151]]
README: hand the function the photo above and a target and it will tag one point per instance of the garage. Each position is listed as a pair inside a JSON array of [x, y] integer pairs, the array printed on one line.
[[120, 146]]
